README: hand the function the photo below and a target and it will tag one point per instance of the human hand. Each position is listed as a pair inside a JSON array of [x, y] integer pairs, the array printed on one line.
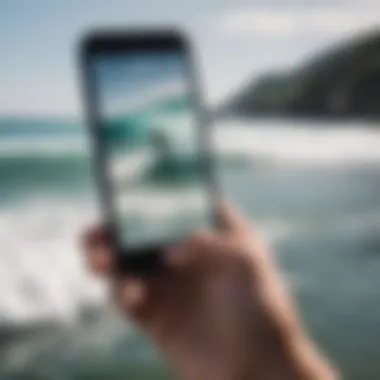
[[219, 311]]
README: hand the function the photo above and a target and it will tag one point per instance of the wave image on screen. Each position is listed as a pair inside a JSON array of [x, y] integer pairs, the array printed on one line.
[[152, 140]]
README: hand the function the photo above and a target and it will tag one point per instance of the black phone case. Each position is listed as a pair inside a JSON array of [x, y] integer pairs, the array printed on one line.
[[145, 259]]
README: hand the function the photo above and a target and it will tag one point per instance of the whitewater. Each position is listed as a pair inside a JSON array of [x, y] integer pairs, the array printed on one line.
[[42, 273]]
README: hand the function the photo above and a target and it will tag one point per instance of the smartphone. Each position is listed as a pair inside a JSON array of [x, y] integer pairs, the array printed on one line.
[[150, 141]]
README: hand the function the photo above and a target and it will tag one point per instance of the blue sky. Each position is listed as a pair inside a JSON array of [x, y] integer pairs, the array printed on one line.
[[234, 40]]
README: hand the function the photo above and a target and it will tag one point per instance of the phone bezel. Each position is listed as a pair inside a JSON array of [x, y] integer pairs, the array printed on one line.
[[145, 258]]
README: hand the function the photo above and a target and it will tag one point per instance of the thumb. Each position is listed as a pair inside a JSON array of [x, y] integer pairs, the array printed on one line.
[[229, 219]]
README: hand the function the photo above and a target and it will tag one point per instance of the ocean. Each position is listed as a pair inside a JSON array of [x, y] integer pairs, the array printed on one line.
[[312, 188]]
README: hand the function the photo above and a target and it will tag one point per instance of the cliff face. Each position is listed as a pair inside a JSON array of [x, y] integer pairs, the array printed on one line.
[[343, 81]]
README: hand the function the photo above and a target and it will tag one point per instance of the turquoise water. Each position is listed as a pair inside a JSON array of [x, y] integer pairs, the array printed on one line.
[[313, 190]]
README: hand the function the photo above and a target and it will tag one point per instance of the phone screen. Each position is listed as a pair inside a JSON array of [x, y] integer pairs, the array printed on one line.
[[153, 144]]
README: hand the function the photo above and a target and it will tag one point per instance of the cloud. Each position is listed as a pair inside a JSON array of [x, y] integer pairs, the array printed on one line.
[[296, 22]]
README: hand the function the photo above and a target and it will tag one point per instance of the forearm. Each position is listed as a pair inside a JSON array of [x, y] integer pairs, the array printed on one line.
[[297, 359], [269, 341], [286, 356], [287, 353]]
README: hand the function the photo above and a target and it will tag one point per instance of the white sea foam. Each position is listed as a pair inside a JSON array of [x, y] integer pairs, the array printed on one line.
[[130, 168], [41, 270], [54, 146], [42, 276], [296, 143], [261, 142]]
